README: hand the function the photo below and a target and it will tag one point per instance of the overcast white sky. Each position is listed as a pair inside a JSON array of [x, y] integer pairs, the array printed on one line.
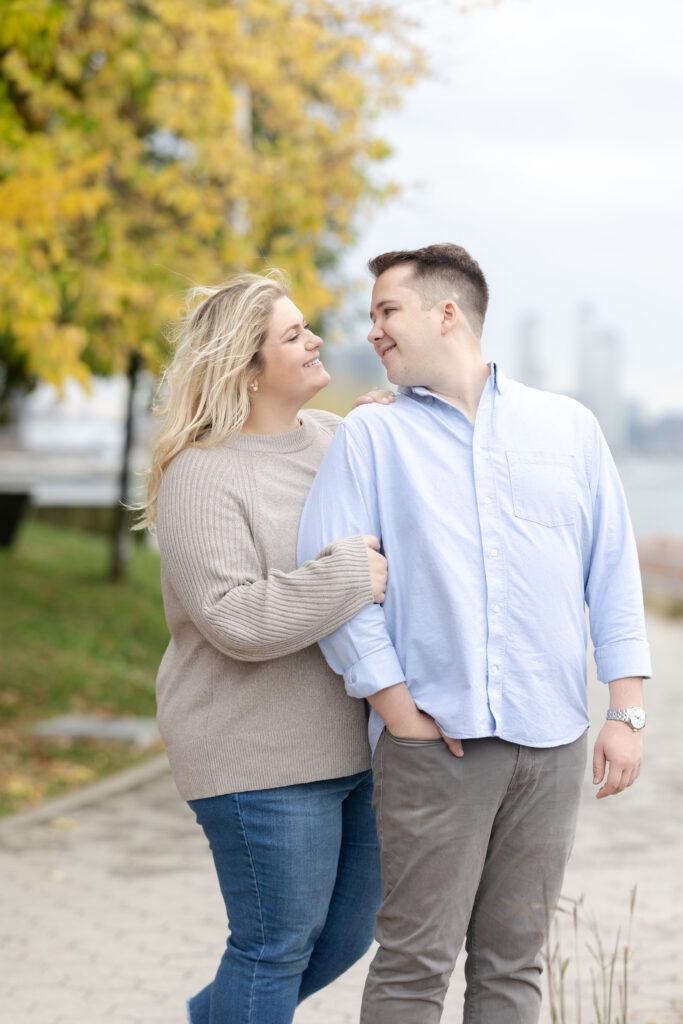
[[551, 146]]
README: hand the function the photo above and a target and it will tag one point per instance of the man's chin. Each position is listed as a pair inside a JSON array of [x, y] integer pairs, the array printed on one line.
[[399, 380]]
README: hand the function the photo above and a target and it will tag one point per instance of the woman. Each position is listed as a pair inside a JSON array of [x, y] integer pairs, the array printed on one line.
[[263, 742]]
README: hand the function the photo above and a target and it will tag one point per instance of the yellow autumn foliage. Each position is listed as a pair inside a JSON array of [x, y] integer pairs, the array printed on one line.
[[151, 144]]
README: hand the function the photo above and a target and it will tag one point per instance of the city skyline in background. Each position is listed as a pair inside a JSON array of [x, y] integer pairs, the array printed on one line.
[[70, 451], [595, 371], [549, 143]]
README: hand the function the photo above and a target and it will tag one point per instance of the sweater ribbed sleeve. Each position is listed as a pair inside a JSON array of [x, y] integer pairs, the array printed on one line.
[[245, 699], [246, 609]]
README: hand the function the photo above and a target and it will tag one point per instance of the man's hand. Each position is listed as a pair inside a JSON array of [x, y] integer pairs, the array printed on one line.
[[418, 726], [405, 721], [623, 748], [383, 396], [423, 727], [455, 746]]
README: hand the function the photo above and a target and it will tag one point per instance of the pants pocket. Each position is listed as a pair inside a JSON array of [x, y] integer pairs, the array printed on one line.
[[407, 741]]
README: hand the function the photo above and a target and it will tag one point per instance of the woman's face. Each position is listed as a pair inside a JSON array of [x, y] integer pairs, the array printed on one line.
[[292, 371]]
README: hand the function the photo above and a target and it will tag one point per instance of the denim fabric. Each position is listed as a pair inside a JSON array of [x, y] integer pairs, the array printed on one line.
[[298, 867]]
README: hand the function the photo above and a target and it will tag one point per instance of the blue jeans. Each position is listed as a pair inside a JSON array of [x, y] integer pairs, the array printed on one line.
[[298, 868]]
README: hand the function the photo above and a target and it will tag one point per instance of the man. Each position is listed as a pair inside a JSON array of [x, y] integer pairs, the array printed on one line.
[[500, 511]]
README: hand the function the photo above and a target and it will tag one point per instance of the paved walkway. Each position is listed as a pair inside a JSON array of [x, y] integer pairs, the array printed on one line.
[[110, 912]]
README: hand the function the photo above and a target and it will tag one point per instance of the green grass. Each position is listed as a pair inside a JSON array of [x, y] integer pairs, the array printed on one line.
[[71, 641], [670, 607]]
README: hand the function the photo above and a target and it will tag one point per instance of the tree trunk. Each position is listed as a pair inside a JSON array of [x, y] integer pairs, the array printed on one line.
[[120, 532]]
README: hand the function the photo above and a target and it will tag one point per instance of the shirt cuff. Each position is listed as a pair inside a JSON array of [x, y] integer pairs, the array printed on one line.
[[622, 659], [373, 673]]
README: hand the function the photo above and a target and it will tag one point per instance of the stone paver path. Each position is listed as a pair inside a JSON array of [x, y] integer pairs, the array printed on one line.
[[110, 913]]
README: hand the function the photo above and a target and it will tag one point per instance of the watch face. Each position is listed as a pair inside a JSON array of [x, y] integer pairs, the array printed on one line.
[[637, 716]]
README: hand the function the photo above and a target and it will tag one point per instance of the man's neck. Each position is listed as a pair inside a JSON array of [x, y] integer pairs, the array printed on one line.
[[462, 387]]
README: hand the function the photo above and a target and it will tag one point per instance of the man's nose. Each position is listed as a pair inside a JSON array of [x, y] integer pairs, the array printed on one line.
[[375, 334]]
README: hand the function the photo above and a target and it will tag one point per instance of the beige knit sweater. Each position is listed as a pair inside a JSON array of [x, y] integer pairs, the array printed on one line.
[[245, 698]]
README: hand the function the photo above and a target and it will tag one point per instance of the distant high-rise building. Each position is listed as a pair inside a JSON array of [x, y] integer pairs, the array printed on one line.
[[532, 357], [600, 376]]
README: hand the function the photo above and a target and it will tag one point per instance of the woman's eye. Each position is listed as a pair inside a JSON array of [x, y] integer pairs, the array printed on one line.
[[295, 336]]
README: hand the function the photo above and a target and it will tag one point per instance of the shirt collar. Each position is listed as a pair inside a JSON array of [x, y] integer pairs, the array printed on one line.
[[498, 378], [500, 381]]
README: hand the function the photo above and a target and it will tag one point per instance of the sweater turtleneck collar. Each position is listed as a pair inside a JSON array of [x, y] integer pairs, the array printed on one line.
[[291, 441]]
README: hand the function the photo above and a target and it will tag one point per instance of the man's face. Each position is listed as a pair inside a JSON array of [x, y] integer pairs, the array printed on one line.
[[404, 335]]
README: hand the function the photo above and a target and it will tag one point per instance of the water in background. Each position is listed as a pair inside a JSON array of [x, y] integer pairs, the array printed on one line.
[[72, 454], [654, 489]]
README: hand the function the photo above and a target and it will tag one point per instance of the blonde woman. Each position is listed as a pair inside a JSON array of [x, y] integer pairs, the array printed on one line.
[[263, 742]]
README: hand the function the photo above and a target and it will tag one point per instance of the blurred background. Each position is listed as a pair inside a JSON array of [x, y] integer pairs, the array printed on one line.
[[148, 146]]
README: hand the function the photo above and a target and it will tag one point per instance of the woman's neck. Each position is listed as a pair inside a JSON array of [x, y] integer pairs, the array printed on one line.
[[270, 418]]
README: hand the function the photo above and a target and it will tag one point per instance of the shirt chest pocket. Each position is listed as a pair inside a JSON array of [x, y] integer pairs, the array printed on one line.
[[544, 487]]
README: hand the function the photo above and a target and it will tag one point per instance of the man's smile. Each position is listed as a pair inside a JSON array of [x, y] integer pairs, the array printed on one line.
[[385, 347]]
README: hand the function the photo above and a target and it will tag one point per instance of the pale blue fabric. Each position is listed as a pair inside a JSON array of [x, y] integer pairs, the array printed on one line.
[[497, 534]]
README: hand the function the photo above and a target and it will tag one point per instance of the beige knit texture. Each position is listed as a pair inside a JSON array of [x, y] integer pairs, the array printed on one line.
[[245, 698]]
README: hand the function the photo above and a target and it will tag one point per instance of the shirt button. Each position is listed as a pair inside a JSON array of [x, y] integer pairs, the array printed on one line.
[[496, 608], [487, 501], [494, 552], [494, 668]]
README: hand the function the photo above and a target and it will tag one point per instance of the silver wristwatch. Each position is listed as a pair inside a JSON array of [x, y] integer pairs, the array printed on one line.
[[635, 717]]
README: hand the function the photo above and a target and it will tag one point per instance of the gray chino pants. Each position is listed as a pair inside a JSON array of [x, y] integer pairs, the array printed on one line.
[[473, 849]]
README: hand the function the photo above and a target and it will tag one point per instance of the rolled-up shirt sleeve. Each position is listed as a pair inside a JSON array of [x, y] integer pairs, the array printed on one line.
[[613, 589], [344, 493]]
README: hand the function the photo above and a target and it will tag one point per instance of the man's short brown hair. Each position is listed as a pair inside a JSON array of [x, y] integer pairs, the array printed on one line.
[[441, 272]]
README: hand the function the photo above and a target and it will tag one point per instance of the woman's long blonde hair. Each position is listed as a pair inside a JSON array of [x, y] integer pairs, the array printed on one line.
[[203, 395]]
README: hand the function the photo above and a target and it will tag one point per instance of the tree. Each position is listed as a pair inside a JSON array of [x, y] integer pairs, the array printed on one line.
[[140, 138], [148, 143]]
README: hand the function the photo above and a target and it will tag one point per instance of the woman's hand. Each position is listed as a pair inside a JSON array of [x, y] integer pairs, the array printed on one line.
[[384, 397], [378, 568]]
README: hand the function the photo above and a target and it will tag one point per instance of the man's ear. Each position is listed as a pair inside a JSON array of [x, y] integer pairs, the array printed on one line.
[[449, 316]]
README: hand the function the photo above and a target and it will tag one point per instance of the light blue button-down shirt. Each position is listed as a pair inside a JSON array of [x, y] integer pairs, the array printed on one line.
[[497, 535]]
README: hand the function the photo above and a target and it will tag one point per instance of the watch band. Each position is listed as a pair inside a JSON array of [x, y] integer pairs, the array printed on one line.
[[618, 715], [635, 717]]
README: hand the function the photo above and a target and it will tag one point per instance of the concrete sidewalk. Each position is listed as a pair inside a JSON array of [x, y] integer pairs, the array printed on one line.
[[111, 913]]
